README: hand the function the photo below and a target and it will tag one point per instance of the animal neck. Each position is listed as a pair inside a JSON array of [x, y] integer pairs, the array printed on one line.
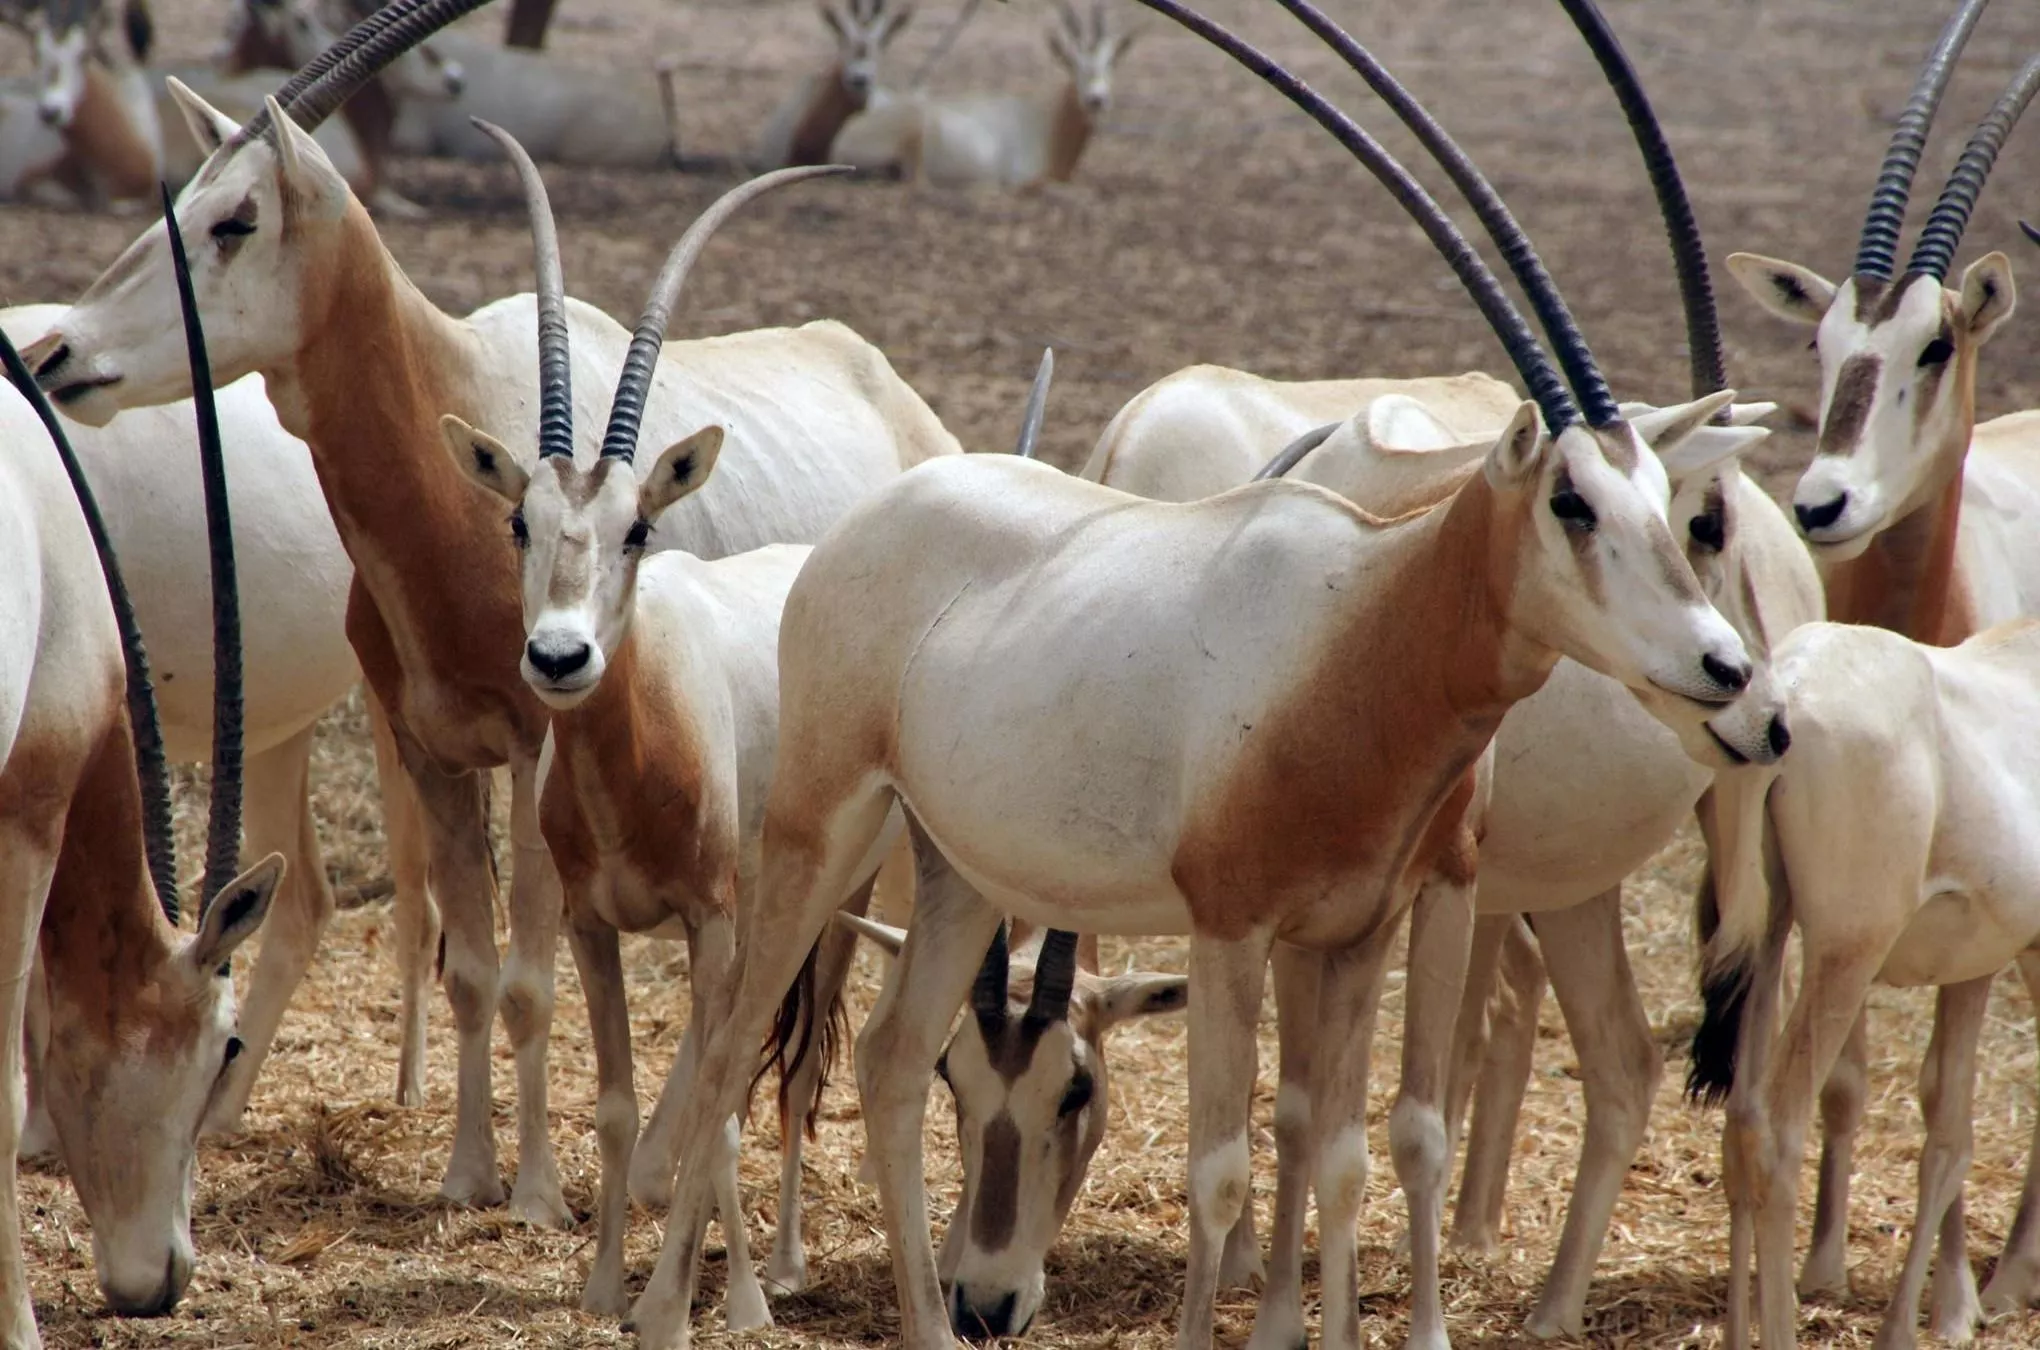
[[832, 106], [105, 134], [372, 116], [103, 935], [1068, 134], [253, 49], [1907, 579]]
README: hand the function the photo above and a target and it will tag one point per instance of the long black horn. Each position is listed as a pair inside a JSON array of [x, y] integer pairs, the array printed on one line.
[[555, 358], [1037, 406], [1055, 975], [634, 384], [988, 991], [223, 815], [1568, 343], [151, 765], [1935, 252], [1537, 372], [1877, 249], [1689, 255], [1291, 455]]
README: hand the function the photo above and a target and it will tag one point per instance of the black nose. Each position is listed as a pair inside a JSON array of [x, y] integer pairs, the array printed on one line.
[[556, 663], [979, 1321], [1820, 517], [1722, 673], [159, 1301], [1780, 735]]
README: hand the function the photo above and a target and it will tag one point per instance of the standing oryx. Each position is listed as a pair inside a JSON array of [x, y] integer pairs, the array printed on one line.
[[1259, 717], [362, 367], [1918, 517], [804, 125], [140, 1018], [1007, 140]]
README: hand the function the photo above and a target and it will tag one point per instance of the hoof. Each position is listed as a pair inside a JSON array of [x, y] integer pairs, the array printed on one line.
[[1238, 1270], [541, 1206], [223, 1119], [651, 1187], [1824, 1280], [1545, 1326], [1476, 1239], [605, 1297], [786, 1276], [479, 1192], [657, 1325], [745, 1308]]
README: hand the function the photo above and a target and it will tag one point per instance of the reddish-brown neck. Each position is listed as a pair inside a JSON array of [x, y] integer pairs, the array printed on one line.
[[1067, 135], [832, 106], [103, 135], [1907, 579]]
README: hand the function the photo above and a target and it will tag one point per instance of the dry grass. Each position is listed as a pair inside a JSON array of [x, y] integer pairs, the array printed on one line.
[[1209, 225]]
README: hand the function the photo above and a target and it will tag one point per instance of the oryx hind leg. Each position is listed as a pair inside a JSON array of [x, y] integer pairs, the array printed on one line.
[[598, 959], [526, 1001], [1843, 1100], [416, 914], [1505, 984], [2015, 1282], [28, 860], [1349, 995], [1278, 1322]]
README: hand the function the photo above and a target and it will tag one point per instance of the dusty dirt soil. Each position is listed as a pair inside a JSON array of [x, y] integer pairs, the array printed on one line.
[[1210, 223]]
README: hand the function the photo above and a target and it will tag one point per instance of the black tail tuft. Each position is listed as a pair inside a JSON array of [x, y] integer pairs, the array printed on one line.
[[792, 1040], [1725, 992]]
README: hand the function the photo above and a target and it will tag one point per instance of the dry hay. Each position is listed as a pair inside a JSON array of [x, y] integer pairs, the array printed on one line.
[[1207, 225]]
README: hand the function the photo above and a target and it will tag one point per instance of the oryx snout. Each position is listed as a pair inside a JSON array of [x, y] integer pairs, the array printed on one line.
[[981, 1315], [562, 665], [1833, 508], [153, 1294]]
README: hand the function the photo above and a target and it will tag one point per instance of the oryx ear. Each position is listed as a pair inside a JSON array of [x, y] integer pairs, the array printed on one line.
[[1399, 422], [1669, 430], [889, 938], [683, 467], [484, 459], [1705, 450], [1987, 295], [1139, 994], [1790, 291], [209, 127], [1516, 455], [894, 22], [233, 915]]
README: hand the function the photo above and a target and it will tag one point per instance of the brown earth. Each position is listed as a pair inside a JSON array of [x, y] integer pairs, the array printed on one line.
[[1210, 223]]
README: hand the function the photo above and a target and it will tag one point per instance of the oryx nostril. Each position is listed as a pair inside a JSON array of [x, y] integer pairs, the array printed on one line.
[[556, 661], [52, 114], [1820, 517], [1731, 677], [1779, 735], [975, 1321]]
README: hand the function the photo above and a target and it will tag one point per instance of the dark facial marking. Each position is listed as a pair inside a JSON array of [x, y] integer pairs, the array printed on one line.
[[1849, 409], [1709, 529], [998, 1199]]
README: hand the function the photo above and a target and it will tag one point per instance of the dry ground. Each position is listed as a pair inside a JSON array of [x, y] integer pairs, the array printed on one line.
[[1210, 224]]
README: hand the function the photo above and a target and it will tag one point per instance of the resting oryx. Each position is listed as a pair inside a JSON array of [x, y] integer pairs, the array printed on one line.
[[805, 124], [140, 1018], [1898, 838], [361, 367], [1258, 717], [1562, 829], [1918, 516], [1010, 140], [86, 121]]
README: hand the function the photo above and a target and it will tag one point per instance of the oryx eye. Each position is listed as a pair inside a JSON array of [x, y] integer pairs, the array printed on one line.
[[640, 534], [1572, 511], [1708, 531], [1077, 1095], [234, 1048], [230, 231], [519, 535], [1936, 352]]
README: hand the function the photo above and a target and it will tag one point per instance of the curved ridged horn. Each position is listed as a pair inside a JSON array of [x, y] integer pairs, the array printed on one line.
[[988, 991], [151, 765], [1291, 455], [1877, 249], [634, 384], [555, 359], [1055, 975], [1538, 375], [1689, 255], [1935, 251], [223, 813], [1037, 406], [1567, 342]]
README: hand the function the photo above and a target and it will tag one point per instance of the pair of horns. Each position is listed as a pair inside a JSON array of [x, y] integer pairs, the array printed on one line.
[[1934, 252], [1055, 977], [223, 826], [1073, 22], [634, 383]]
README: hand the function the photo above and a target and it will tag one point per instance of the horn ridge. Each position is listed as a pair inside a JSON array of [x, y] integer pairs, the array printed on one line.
[[151, 763], [1878, 245], [1535, 368], [223, 813], [1055, 976], [1563, 331], [1682, 228], [1934, 252], [555, 357], [1037, 406], [634, 383], [988, 990]]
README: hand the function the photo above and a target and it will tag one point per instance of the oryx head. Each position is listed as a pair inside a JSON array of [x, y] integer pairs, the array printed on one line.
[[63, 34], [140, 1020], [863, 28], [1087, 50], [292, 33], [265, 213], [581, 531], [1897, 353], [1026, 1070]]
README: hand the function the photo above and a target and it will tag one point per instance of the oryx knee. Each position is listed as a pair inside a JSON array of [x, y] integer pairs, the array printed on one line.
[[526, 1002], [1417, 1142], [616, 1119], [1219, 1182], [1342, 1169], [1292, 1115]]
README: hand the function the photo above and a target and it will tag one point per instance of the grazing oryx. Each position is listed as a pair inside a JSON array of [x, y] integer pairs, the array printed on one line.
[[140, 1018], [1259, 717], [1918, 516], [1011, 140], [1562, 829], [1027, 1131], [362, 367], [804, 126], [1897, 836]]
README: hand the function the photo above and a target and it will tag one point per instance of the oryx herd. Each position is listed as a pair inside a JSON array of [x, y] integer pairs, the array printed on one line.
[[1300, 670]]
